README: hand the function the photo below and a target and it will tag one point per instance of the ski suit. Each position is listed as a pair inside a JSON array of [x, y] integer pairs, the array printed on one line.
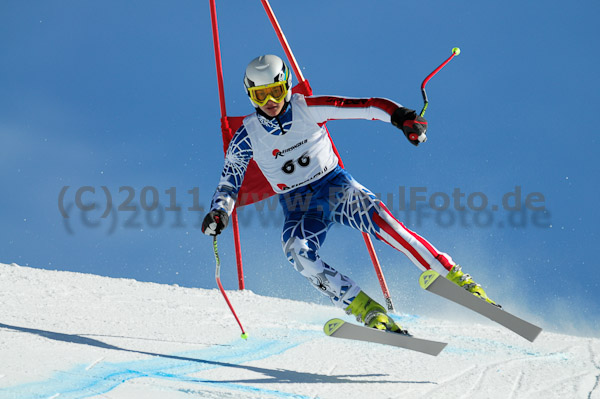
[[296, 156]]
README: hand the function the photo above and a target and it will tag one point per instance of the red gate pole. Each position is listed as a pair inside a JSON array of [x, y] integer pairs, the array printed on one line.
[[238, 249], [227, 131], [283, 40], [298, 73]]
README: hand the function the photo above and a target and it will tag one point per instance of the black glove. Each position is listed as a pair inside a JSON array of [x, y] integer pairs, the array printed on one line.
[[413, 126], [215, 222]]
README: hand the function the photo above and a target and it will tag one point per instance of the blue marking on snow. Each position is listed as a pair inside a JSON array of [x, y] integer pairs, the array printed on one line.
[[79, 383]]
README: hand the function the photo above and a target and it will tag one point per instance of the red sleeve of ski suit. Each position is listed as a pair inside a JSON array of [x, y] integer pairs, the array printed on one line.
[[326, 108]]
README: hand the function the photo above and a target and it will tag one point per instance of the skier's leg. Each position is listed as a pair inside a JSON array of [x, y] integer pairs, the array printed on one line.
[[420, 251], [354, 205], [397, 235], [302, 237]]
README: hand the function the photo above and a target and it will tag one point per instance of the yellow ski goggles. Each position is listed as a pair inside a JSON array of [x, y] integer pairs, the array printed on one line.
[[274, 91]]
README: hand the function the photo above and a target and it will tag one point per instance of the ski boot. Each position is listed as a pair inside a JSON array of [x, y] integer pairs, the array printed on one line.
[[372, 314], [464, 280]]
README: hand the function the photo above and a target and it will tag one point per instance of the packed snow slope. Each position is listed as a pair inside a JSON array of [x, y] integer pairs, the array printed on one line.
[[70, 335]]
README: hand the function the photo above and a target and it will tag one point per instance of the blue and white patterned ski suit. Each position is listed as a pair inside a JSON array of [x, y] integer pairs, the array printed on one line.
[[295, 154]]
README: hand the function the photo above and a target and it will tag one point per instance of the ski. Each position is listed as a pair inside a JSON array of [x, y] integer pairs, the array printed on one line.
[[430, 281], [340, 329]]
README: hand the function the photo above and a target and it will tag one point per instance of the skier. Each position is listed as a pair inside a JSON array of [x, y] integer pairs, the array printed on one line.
[[286, 139]]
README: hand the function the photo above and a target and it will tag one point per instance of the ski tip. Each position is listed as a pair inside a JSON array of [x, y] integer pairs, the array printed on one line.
[[427, 278], [332, 326], [534, 334]]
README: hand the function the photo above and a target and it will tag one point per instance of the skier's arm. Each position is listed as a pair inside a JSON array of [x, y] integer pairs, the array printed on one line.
[[239, 154], [326, 108]]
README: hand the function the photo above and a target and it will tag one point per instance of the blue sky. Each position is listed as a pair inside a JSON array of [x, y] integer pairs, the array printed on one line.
[[124, 95]]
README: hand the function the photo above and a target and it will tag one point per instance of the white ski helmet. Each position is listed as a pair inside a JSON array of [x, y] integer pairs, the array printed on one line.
[[265, 70]]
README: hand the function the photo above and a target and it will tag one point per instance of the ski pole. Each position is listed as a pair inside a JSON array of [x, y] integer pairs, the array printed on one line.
[[218, 278], [455, 51]]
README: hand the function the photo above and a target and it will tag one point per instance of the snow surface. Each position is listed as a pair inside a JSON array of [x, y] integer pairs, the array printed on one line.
[[72, 335]]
